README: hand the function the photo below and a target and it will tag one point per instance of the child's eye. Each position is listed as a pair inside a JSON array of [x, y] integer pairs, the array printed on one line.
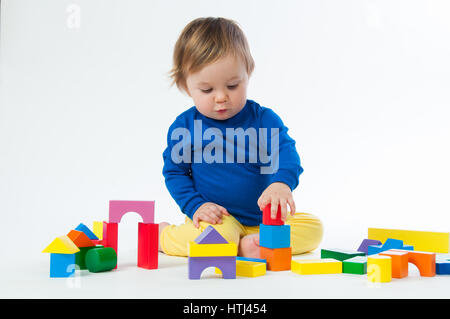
[[232, 87], [206, 91]]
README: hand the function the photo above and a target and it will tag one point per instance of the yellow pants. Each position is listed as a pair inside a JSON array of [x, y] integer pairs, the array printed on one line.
[[306, 233]]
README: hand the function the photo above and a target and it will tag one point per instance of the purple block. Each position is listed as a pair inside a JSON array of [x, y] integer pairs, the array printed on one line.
[[364, 247], [210, 236], [227, 265]]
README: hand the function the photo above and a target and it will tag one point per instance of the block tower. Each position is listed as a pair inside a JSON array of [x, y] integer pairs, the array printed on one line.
[[275, 241]]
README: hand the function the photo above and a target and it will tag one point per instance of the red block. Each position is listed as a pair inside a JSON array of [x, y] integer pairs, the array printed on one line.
[[148, 240], [110, 235], [267, 219]]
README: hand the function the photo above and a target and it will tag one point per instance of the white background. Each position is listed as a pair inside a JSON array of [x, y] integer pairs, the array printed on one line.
[[86, 102]]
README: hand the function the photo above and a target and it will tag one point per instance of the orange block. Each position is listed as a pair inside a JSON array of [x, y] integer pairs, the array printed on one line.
[[399, 262], [424, 261], [80, 239], [278, 259]]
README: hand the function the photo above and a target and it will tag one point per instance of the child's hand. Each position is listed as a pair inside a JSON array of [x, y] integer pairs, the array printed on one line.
[[277, 194], [210, 213]]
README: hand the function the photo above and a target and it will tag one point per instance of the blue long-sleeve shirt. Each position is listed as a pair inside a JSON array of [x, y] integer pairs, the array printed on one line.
[[229, 162]]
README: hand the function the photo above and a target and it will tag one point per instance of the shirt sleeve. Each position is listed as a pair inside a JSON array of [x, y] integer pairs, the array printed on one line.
[[177, 170], [284, 158]]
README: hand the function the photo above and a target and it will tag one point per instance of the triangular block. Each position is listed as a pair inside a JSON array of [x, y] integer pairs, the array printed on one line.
[[82, 227], [61, 245], [210, 236], [80, 239]]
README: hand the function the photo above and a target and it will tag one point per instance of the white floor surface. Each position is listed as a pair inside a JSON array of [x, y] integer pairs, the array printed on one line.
[[170, 281]]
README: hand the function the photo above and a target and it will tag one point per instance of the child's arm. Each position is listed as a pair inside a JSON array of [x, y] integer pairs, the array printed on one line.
[[286, 173], [178, 178]]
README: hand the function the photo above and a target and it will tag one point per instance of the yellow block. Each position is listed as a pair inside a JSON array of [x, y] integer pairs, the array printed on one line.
[[61, 245], [211, 250], [246, 268], [435, 242], [379, 268], [316, 266], [98, 229]]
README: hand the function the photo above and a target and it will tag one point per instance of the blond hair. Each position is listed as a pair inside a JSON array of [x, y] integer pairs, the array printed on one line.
[[204, 41]]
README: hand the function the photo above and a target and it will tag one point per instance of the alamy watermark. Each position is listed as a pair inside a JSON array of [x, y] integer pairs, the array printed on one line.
[[235, 138]]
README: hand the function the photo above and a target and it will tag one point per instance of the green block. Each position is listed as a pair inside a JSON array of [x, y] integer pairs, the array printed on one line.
[[80, 257], [356, 265], [339, 254], [101, 259]]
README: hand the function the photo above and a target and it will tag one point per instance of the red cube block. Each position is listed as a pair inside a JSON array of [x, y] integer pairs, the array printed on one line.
[[267, 219]]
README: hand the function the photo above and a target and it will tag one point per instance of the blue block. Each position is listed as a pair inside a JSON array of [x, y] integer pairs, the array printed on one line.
[[275, 236], [252, 259], [442, 267], [82, 227], [388, 244], [62, 265]]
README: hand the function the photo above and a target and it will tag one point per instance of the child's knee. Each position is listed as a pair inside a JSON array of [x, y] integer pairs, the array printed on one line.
[[306, 232]]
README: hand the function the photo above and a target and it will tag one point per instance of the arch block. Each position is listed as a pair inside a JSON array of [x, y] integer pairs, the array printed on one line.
[[424, 261], [227, 265], [118, 208]]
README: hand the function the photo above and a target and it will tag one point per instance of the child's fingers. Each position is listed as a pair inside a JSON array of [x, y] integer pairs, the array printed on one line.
[[223, 210], [263, 201], [292, 206], [283, 208], [274, 207]]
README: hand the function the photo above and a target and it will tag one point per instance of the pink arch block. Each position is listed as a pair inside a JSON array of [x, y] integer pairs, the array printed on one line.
[[118, 208]]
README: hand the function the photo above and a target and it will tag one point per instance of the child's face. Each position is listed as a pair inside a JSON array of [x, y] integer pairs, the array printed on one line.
[[219, 90]]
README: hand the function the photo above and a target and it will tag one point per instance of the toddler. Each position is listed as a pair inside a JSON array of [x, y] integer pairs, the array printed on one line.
[[227, 157]]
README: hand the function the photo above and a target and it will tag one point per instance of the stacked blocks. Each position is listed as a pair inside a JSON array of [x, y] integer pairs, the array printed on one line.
[[62, 257], [210, 249], [148, 238], [275, 241]]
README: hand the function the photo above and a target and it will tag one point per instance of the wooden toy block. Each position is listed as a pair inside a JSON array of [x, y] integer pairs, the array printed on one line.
[[278, 259], [226, 264], [399, 260], [316, 266], [80, 239], [442, 267], [356, 265], [110, 235], [61, 245], [259, 260], [62, 265], [148, 238], [339, 254], [211, 250], [275, 236], [248, 268], [267, 218], [97, 242], [82, 227], [379, 268], [424, 261], [210, 236], [101, 259], [80, 257], [363, 247], [118, 208], [98, 229], [437, 242], [390, 243]]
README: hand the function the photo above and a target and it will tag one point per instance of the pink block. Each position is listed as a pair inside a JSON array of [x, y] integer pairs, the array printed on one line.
[[118, 208]]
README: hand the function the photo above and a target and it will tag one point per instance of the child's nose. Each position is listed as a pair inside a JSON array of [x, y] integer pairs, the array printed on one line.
[[221, 97]]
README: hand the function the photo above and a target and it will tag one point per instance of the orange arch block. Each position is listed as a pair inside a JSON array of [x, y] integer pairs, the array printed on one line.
[[424, 261]]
